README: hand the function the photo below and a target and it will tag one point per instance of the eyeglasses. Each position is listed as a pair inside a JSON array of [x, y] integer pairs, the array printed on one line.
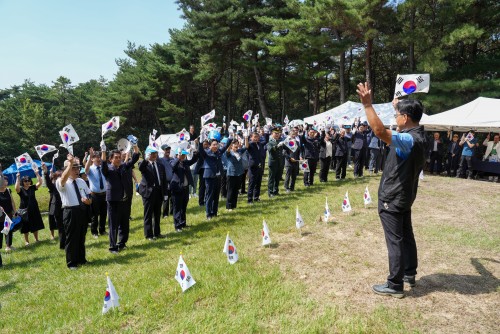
[[397, 115], [26, 180]]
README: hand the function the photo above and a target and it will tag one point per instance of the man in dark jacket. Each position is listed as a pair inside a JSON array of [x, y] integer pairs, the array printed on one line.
[[255, 149], [398, 188], [291, 162], [311, 144], [341, 151], [359, 145], [275, 156]]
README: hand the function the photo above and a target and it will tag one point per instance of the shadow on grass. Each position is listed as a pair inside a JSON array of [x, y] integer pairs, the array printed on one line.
[[122, 258], [31, 262], [485, 282], [4, 288]]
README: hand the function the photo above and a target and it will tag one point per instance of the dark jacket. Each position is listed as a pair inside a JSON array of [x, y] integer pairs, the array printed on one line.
[[341, 145], [179, 171], [359, 141], [212, 161], [457, 150], [311, 146], [234, 166], [55, 204], [322, 150], [255, 154], [116, 178], [289, 155], [148, 181]]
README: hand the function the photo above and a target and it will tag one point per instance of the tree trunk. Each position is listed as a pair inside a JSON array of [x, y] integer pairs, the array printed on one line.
[[412, 44], [260, 92], [368, 64], [349, 72], [341, 71]]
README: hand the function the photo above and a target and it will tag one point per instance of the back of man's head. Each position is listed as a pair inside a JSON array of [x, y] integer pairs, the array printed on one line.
[[413, 108]]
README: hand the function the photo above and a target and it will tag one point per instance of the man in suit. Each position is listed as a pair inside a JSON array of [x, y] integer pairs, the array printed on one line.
[[200, 171], [359, 145], [292, 162], [326, 153], [165, 160], [255, 149], [275, 152], [341, 152], [454, 150], [153, 189], [116, 191], [434, 149], [311, 145]]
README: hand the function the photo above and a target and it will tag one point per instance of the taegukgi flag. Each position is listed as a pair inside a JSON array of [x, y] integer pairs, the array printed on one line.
[[366, 197], [182, 135], [23, 160], [152, 140], [269, 121], [304, 165], [111, 125], [327, 210], [286, 121], [111, 298], [230, 250], [299, 222], [346, 204], [412, 83], [205, 118], [266, 237], [43, 149], [248, 115], [6, 225], [68, 135], [183, 276], [291, 144]]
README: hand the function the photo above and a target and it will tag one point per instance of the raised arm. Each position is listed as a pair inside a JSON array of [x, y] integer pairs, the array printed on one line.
[[375, 123], [18, 182], [89, 161], [67, 171]]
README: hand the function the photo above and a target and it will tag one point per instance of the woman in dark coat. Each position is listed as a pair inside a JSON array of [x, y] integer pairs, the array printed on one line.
[[26, 192], [55, 205], [8, 208]]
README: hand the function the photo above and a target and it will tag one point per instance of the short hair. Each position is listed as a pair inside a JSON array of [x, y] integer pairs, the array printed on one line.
[[113, 152], [413, 108]]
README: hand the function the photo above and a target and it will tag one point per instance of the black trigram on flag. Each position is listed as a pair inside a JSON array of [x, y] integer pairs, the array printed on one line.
[[400, 80], [420, 79], [398, 93]]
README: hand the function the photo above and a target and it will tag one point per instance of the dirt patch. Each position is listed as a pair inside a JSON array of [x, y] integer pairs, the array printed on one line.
[[458, 286]]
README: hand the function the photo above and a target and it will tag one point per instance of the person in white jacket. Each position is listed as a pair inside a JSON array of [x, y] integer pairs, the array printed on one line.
[[492, 149]]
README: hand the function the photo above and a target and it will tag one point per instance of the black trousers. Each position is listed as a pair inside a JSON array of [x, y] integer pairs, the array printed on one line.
[[75, 221], [223, 184], [99, 211], [401, 245], [201, 189], [115, 216], [212, 193], [465, 168], [124, 225], [233, 184], [292, 171], [435, 163], [340, 168], [180, 201], [309, 176], [243, 181], [274, 178], [452, 165], [152, 213], [324, 167], [359, 161], [373, 165], [57, 222], [255, 180]]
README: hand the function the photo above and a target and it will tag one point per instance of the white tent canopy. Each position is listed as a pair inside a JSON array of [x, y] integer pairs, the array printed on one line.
[[345, 114], [482, 114]]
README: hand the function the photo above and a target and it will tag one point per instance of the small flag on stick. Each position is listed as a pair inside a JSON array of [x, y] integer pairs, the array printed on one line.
[[304, 166], [23, 160], [299, 222], [111, 125], [230, 250], [286, 121], [266, 238], [111, 298], [248, 115], [367, 198], [291, 144], [412, 83], [68, 136], [43, 149], [346, 205], [183, 275], [327, 210], [205, 118]]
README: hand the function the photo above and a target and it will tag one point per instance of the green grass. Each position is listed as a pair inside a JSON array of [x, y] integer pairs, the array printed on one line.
[[39, 294]]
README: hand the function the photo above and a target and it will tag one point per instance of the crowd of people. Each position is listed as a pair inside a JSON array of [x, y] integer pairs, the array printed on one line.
[[223, 163]]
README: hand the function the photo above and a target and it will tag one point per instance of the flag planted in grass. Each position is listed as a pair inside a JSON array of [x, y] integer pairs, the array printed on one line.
[[266, 238], [183, 275], [230, 250], [327, 210], [111, 298], [366, 197], [346, 204], [299, 222]]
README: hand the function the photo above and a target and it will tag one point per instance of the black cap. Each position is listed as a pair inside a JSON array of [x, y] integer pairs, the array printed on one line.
[[165, 147]]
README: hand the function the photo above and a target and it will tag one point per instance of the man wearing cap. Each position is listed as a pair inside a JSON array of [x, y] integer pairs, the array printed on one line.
[[311, 145], [179, 186], [76, 201], [153, 189], [165, 160], [116, 193], [275, 152], [97, 185], [398, 188]]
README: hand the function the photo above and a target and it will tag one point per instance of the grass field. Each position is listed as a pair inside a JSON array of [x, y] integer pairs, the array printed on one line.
[[315, 282]]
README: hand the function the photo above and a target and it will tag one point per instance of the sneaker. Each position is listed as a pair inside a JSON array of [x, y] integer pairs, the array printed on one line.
[[73, 268], [178, 230], [113, 251], [95, 236], [8, 249], [384, 290], [410, 280], [150, 239]]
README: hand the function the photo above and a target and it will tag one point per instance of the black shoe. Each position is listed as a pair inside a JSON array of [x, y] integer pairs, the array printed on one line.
[[122, 247], [384, 290], [256, 199], [160, 236], [410, 280]]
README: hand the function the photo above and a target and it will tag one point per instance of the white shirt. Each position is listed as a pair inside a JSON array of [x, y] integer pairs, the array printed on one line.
[[155, 167], [329, 149], [68, 194]]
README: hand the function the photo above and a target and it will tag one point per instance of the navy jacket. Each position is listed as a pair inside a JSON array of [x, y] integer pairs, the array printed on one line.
[[116, 178], [359, 141], [148, 181], [212, 161], [311, 146], [235, 166], [341, 145], [179, 171]]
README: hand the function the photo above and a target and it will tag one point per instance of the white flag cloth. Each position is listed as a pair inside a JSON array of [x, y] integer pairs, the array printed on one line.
[[6, 225], [43, 149], [205, 118], [183, 276], [304, 166], [367, 198], [421, 176], [230, 250], [266, 237], [233, 123], [286, 121], [152, 140], [70, 149], [291, 144], [346, 205], [248, 115], [183, 135], [269, 121], [256, 117], [412, 83], [23, 160], [327, 210], [299, 222], [68, 135], [111, 125], [111, 298], [210, 126]]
